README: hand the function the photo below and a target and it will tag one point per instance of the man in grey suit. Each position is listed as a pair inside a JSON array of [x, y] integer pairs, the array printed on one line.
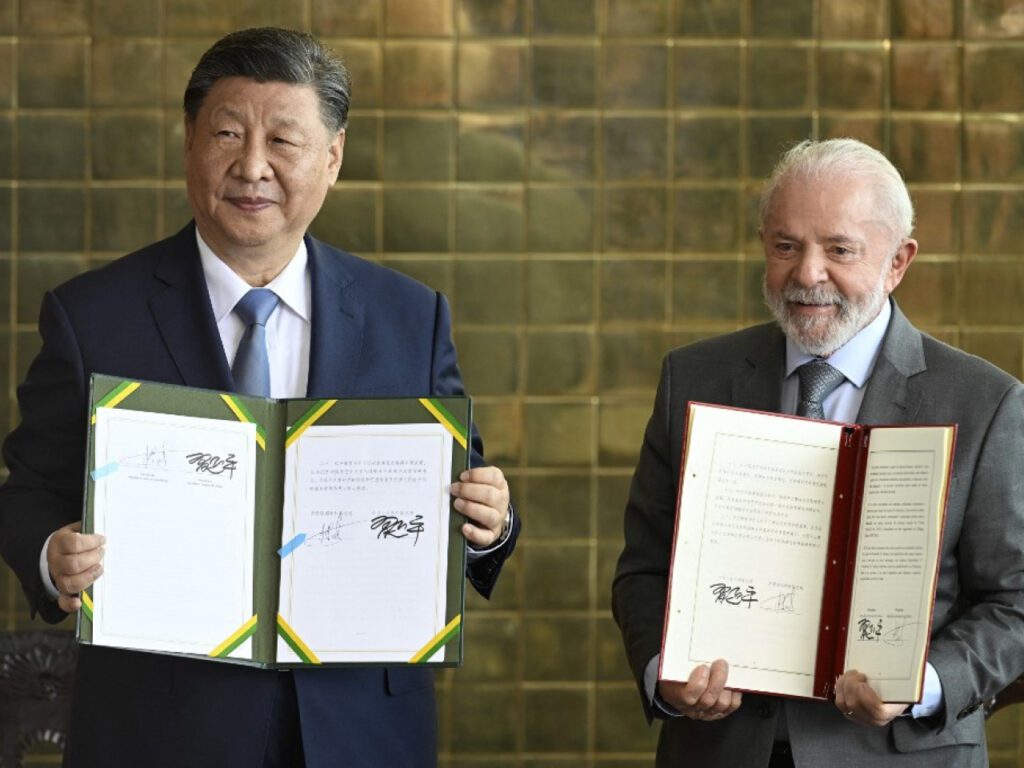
[[836, 224]]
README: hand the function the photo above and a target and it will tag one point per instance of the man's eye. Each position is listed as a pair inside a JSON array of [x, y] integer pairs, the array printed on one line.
[[282, 142], [226, 134], [785, 247]]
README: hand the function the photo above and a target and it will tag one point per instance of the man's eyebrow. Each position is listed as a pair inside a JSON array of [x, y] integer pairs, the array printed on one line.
[[278, 122], [844, 239]]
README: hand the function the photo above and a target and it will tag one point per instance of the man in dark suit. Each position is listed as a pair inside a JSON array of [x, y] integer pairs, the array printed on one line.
[[836, 223], [265, 114]]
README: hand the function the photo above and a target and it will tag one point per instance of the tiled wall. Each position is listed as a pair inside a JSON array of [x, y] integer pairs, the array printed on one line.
[[580, 177]]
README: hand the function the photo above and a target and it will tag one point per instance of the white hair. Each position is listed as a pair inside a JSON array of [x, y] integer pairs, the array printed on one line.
[[838, 158]]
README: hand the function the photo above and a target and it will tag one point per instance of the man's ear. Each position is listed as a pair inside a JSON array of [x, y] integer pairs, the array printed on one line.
[[336, 153], [900, 263], [190, 132]]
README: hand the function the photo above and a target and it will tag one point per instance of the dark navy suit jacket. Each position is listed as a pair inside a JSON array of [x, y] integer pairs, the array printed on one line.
[[148, 316]]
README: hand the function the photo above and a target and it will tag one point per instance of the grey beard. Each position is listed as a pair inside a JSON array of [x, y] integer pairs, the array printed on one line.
[[823, 336]]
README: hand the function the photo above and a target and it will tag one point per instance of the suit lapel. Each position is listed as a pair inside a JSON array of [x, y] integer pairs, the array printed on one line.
[[759, 384], [184, 316], [336, 338], [890, 397]]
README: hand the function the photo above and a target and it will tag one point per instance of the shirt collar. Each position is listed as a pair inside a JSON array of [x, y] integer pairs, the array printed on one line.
[[226, 287], [856, 358]]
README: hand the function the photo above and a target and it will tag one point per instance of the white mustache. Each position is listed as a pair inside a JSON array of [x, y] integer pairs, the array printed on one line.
[[815, 296]]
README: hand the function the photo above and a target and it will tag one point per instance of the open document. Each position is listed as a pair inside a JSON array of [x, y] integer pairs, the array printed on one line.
[[276, 532], [804, 548]]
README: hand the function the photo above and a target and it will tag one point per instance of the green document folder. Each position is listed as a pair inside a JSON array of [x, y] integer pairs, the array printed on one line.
[[276, 533]]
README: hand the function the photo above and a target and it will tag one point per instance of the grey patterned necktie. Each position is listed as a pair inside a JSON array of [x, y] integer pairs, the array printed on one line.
[[251, 369], [818, 379]]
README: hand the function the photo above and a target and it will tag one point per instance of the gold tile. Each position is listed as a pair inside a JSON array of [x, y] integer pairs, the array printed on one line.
[[562, 147], [706, 220], [416, 220], [993, 223], [707, 76], [1005, 349], [545, 726], [985, 19], [487, 17], [635, 148], [414, 18], [38, 275], [619, 718], [870, 130], [489, 360], [362, 149], [123, 220], [501, 424], [992, 80], [125, 17], [347, 18], [754, 309], [635, 18], [6, 162], [51, 147], [489, 220], [769, 137], [707, 148], [563, 75], [851, 78], [928, 293], [488, 291], [635, 76], [863, 20], [555, 577], [6, 74], [610, 656], [634, 219], [779, 76], [177, 211], [124, 73], [559, 291], [708, 18], [612, 493], [559, 363], [418, 74], [925, 77], [500, 703], [437, 273], [558, 434], [204, 17], [994, 150], [491, 75], [51, 73], [551, 645], [771, 18], [180, 58], [560, 219], [705, 291], [54, 17], [630, 361], [924, 19], [348, 220], [125, 146], [364, 63], [174, 146], [564, 17], [992, 291], [493, 656], [926, 150], [7, 17], [419, 148], [559, 506], [632, 290], [621, 428], [937, 214], [491, 148], [28, 345]]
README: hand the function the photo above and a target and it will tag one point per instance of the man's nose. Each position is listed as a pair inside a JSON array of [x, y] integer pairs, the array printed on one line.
[[252, 164], [812, 268]]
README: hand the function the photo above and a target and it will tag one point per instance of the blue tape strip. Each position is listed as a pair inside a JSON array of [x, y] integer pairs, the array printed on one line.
[[292, 545], [108, 469]]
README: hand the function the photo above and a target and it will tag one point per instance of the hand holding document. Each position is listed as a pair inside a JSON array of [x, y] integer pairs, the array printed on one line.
[[805, 548], [276, 532]]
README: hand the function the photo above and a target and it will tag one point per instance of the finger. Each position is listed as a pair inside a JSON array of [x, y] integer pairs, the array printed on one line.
[[70, 565], [727, 703], [485, 475], [477, 536], [488, 517], [67, 542], [72, 585], [482, 493], [717, 676], [695, 686], [69, 603]]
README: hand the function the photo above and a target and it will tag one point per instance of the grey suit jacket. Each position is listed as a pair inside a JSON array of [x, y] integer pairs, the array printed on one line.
[[977, 644]]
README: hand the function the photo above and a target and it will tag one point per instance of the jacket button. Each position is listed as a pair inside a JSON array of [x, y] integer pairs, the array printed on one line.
[[765, 710]]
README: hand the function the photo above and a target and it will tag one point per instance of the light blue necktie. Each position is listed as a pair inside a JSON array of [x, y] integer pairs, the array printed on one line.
[[818, 380], [251, 369]]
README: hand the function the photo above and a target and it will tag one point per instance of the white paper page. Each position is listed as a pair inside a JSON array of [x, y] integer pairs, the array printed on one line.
[[750, 550], [174, 496], [901, 524], [369, 582]]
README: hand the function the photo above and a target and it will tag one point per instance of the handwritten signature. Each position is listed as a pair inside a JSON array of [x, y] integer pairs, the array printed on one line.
[[213, 465], [781, 603], [727, 595], [330, 533], [896, 635], [868, 629], [151, 457], [392, 527]]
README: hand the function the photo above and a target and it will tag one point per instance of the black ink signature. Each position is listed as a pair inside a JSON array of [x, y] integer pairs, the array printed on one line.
[[733, 595], [213, 465], [895, 635], [782, 603], [869, 630], [389, 526]]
